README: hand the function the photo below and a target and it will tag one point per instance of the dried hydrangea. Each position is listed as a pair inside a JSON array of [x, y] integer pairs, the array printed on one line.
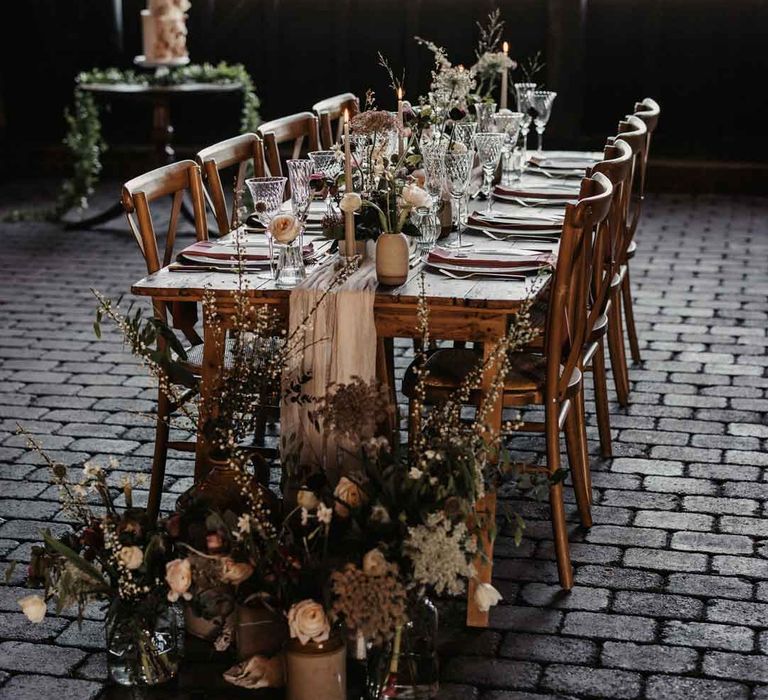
[[373, 122], [353, 411], [373, 605], [441, 552]]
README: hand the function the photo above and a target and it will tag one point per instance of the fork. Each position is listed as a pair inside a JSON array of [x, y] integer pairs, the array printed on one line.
[[522, 239], [470, 275]]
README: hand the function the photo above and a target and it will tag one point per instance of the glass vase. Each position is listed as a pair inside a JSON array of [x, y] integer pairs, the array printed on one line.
[[142, 650], [408, 667]]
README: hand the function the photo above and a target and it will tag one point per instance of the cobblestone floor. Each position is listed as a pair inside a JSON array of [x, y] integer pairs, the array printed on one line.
[[671, 595]]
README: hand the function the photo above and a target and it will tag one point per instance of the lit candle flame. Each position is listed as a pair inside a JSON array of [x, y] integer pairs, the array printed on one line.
[[505, 48], [400, 93]]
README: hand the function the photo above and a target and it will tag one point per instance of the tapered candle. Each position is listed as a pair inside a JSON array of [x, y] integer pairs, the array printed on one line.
[[504, 78], [400, 141], [349, 217]]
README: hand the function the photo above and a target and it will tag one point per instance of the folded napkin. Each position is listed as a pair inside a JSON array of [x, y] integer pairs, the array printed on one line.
[[482, 222], [574, 162], [440, 256], [537, 192], [204, 251]]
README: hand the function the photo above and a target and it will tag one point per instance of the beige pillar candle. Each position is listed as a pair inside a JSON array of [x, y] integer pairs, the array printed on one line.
[[400, 139], [349, 217], [316, 671], [504, 79]]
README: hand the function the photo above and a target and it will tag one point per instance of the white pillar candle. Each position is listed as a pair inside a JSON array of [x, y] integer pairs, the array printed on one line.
[[349, 217], [400, 140], [504, 78]]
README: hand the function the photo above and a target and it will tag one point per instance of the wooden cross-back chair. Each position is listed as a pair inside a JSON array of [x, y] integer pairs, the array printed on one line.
[[332, 110], [647, 111], [552, 380], [240, 151], [137, 195], [604, 310], [300, 130], [634, 132]]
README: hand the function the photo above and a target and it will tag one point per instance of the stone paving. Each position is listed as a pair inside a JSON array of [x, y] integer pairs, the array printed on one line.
[[671, 594]]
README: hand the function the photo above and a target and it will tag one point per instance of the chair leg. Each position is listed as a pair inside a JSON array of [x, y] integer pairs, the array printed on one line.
[[557, 505], [601, 399], [575, 441], [629, 318], [616, 350], [162, 431]]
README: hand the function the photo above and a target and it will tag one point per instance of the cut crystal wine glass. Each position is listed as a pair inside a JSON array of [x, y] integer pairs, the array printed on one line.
[[523, 93], [508, 123], [299, 172], [541, 110], [267, 194], [433, 157], [327, 165], [485, 112], [458, 170], [489, 147], [464, 133]]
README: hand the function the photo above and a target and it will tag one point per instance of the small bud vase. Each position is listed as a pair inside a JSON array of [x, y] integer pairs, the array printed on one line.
[[316, 669], [392, 258]]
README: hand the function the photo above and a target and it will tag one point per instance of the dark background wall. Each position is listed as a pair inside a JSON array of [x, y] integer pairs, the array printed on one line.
[[704, 60]]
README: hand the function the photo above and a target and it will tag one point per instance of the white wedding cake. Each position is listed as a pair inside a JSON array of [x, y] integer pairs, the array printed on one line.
[[164, 31]]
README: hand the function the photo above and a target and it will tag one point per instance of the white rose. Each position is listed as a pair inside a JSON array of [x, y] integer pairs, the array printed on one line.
[[306, 499], [131, 557], [235, 572], [379, 514], [486, 596], [348, 495], [374, 563], [285, 228], [307, 621], [324, 514], [415, 196], [34, 607], [351, 202], [178, 576]]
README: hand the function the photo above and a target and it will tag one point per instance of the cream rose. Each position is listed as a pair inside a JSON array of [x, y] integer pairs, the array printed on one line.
[[285, 228], [178, 576], [420, 176], [34, 607], [348, 495], [235, 572], [415, 196], [486, 596], [351, 202], [374, 563], [131, 557], [306, 499], [307, 621], [458, 147]]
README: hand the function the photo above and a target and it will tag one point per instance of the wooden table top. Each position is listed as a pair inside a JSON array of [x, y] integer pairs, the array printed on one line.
[[492, 294]]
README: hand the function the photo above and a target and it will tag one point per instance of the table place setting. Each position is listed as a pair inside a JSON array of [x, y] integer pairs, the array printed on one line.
[[508, 263]]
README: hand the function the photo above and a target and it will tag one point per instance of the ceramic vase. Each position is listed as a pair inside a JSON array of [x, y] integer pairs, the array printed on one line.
[[316, 669], [392, 258]]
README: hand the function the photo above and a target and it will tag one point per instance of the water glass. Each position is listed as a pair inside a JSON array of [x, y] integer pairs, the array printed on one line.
[[267, 194], [429, 228], [299, 172], [522, 93], [508, 123], [485, 112], [464, 132]]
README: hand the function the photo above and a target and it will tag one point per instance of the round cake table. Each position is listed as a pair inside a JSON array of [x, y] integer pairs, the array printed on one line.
[[162, 128]]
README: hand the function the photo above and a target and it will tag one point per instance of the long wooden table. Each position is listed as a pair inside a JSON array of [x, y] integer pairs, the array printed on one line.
[[472, 310]]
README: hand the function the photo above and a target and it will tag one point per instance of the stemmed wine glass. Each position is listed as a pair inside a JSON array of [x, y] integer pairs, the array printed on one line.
[[523, 93], [489, 146], [458, 170], [267, 194], [541, 110], [485, 113], [464, 133], [508, 123], [327, 165], [433, 157], [299, 172]]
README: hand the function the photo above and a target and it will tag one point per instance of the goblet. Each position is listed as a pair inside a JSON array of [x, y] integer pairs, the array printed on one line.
[[522, 93], [458, 170], [299, 172], [489, 147], [485, 112], [327, 165], [541, 110], [464, 132], [433, 157], [267, 194]]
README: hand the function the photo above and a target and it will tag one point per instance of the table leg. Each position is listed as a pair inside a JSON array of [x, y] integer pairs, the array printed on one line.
[[114, 212], [211, 373]]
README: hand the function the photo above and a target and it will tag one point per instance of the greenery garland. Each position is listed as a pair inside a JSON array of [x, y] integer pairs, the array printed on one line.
[[84, 140]]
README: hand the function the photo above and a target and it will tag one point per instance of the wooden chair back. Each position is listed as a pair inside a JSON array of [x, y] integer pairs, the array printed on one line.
[[566, 328], [330, 111], [300, 130], [609, 237], [240, 151], [648, 112], [634, 132]]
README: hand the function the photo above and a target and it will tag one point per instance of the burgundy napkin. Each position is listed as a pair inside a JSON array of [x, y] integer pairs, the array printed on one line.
[[442, 256], [482, 223], [212, 249]]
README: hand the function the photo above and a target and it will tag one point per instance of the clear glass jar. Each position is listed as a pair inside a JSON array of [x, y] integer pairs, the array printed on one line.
[[408, 666], [142, 650]]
